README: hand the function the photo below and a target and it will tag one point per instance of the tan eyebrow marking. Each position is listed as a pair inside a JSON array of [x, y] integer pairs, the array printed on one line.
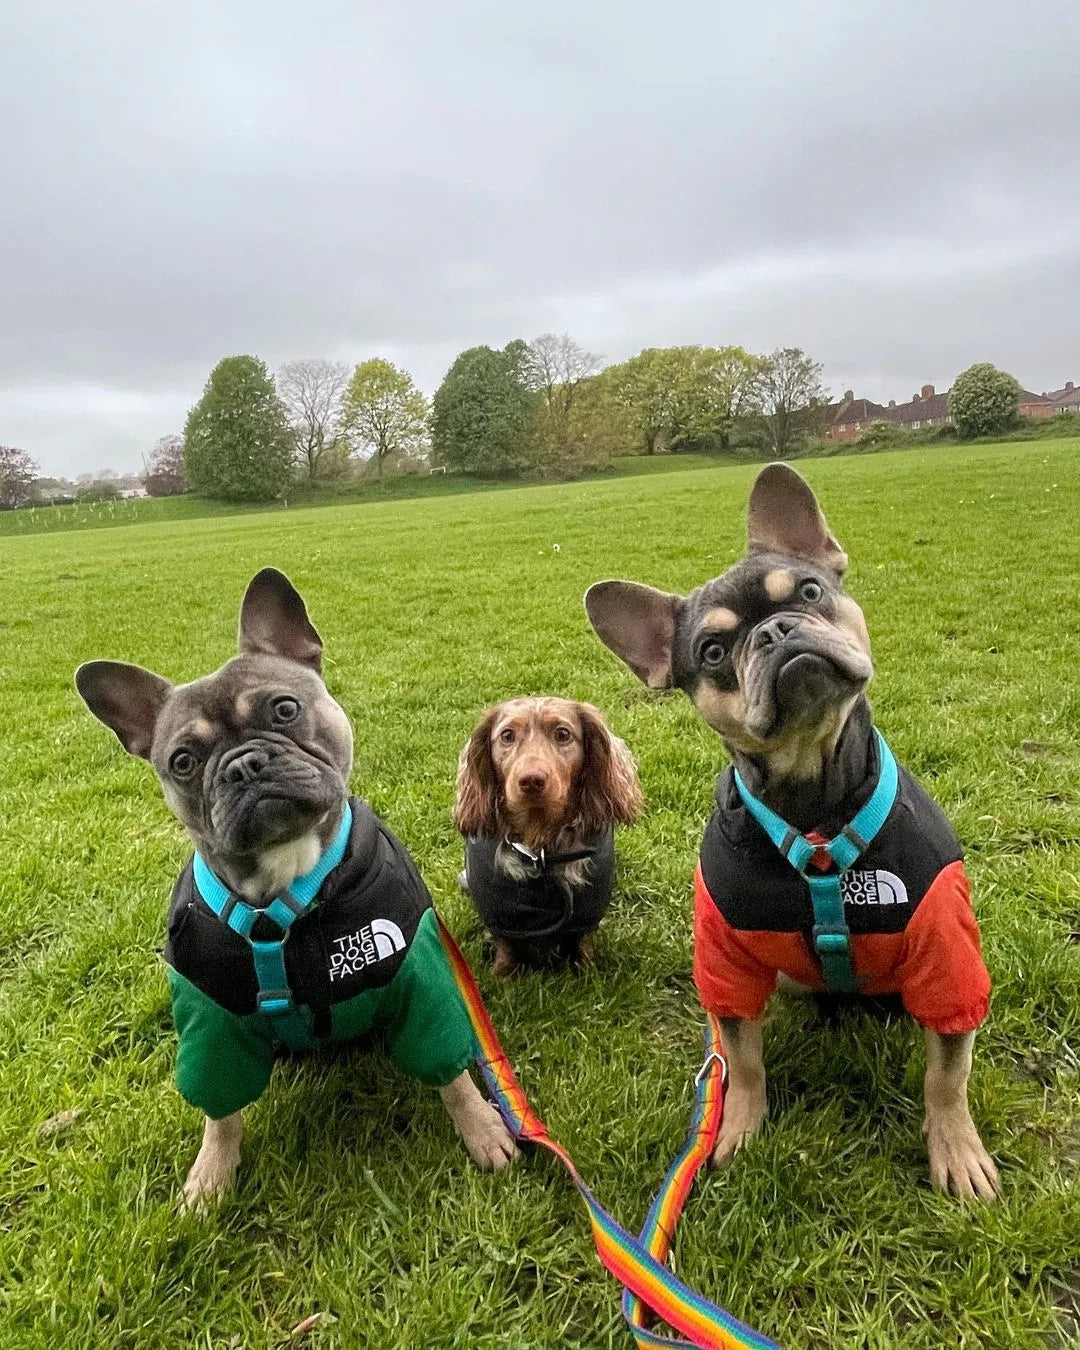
[[244, 705], [779, 583], [202, 728], [721, 618]]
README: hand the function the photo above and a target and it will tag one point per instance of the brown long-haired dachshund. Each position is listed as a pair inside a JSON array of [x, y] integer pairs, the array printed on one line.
[[542, 782]]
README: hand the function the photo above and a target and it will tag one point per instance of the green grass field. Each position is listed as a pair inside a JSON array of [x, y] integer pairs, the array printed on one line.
[[367, 488], [356, 1201]]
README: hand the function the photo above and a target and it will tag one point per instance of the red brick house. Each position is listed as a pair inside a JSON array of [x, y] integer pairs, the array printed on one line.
[[851, 416], [1065, 400], [927, 408], [1035, 405]]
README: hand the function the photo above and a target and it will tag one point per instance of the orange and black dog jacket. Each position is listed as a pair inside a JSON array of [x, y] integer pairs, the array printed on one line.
[[906, 904]]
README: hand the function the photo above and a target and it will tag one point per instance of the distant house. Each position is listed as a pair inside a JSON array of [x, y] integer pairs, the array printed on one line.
[[851, 416], [927, 408], [1035, 405], [1065, 400], [846, 419]]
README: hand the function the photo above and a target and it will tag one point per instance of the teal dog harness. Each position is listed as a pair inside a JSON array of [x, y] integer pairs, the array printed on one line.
[[831, 935], [348, 950], [275, 996]]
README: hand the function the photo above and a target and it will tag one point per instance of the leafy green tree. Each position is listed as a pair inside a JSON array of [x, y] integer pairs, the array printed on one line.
[[650, 387], [788, 390], [482, 415], [724, 391], [599, 426], [675, 395], [383, 412], [237, 442], [984, 401], [17, 473]]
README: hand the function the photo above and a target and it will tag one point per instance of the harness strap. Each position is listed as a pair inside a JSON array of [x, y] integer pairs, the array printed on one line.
[[274, 996], [637, 1263], [545, 861], [543, 864], [830, 933]]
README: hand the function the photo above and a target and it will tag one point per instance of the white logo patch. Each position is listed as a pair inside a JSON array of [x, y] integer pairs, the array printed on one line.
[[873, 888], [374, 942]]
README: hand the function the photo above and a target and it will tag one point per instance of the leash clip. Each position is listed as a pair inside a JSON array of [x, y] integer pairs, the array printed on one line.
[[714, 1056], [537, 859]]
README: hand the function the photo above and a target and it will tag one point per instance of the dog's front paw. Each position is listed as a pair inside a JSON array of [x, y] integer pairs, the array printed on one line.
[[489, 1143], [213, 1171], [209, 1180], [743, 1113], [504, 962], [959, 1163]]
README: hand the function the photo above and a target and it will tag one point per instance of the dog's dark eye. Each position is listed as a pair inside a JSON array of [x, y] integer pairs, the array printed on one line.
[[562, 735], [507, 735], [286, 710], [182, 763], [811, 591], [713, 653]]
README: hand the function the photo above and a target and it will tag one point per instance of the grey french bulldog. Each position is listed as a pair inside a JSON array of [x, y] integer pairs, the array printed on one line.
[[824, 865], [255, 760]]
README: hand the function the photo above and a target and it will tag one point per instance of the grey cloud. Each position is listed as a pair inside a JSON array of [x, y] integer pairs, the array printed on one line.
[[892, 187]]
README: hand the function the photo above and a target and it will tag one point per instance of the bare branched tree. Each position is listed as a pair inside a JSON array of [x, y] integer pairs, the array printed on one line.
[[17, 473], [312, 392], [788, 390], [164, 476], [554, 366]]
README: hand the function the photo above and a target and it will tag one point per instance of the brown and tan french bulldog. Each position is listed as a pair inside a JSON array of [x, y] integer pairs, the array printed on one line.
[[255, 761], [776, 658]]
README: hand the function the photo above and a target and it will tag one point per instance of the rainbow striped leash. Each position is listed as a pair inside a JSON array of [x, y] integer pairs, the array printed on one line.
[[650, 1288]]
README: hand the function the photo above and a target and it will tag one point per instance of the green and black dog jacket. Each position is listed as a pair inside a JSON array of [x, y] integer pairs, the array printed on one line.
[[366, 957]]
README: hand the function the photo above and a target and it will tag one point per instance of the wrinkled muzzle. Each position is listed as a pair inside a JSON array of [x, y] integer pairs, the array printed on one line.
[[795, 670], [267, 792]]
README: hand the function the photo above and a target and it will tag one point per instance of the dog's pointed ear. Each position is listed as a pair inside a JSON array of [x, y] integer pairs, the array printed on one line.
[[274, 621], [783, 517], [126, 698], [638, 624]]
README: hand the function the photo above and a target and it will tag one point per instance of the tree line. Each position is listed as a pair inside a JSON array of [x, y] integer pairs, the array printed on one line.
[[547, 407]]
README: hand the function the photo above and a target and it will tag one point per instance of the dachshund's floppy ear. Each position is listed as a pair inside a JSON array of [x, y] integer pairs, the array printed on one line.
[[609, 792], [476, 803]]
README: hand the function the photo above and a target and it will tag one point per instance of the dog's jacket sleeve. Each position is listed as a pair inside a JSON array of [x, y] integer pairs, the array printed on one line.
[[906, 903], [367, 958]]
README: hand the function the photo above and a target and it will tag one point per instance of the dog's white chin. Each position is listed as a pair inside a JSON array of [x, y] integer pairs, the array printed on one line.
[[281, 864]]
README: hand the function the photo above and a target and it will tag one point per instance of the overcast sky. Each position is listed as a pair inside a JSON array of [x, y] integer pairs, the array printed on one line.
[[893, 185]]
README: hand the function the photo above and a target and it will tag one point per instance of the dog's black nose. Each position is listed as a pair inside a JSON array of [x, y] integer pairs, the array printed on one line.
[[532, 783], [773, 631], [245, 768]]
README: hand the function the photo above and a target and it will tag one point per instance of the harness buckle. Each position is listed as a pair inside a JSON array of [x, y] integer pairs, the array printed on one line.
[[274, 1002], [713, 1057], [831, 939]]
